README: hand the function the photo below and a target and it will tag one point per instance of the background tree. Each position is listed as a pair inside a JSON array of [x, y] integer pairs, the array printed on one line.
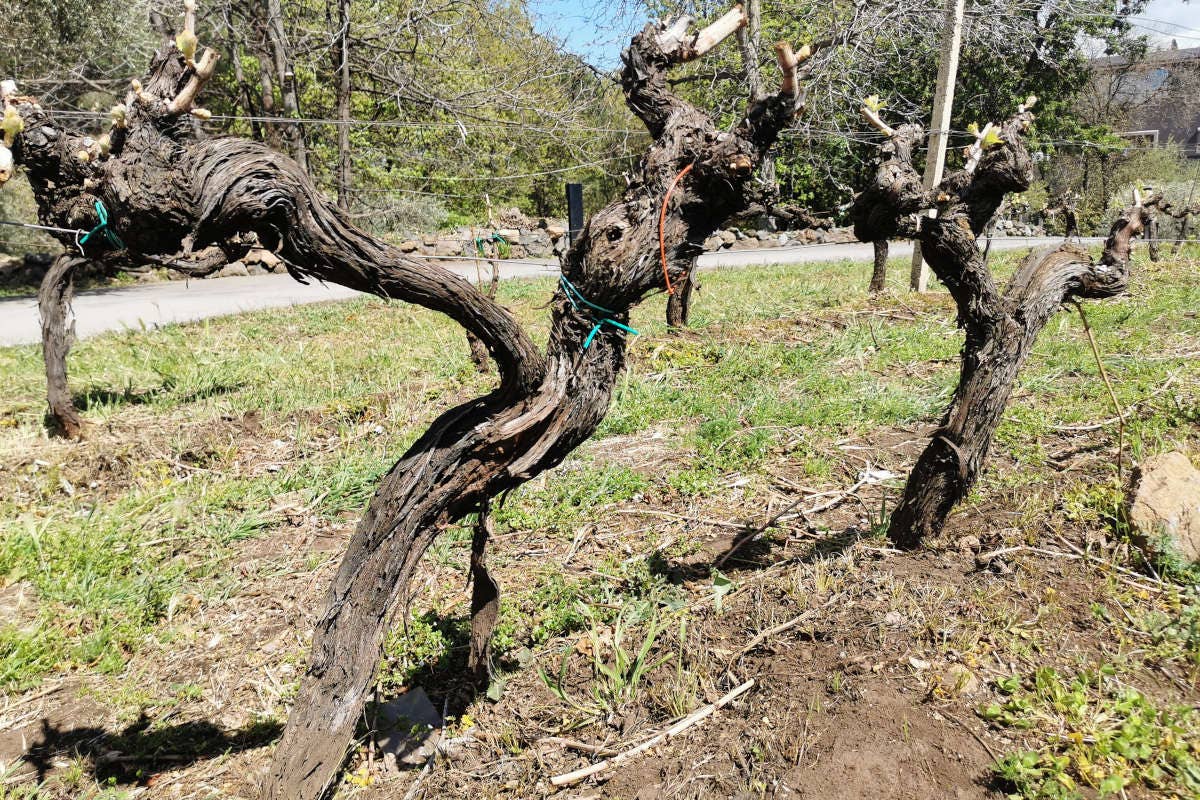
[[1011, 49], [448, 101]]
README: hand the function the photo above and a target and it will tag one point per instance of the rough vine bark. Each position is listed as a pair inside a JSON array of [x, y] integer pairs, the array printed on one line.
[[1000, 327], [879, 267], [173, 199], [679, 303], [54, 305]]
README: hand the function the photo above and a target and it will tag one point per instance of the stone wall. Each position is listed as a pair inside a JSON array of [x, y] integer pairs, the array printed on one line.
[[538, 239], [736, 239], [544, 238]]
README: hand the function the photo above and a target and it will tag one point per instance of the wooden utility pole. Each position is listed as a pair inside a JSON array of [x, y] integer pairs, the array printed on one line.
[[943, 102]]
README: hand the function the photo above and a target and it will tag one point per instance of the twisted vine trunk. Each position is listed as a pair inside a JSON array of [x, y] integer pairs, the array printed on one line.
[[185, 203], [1000, 328], [54, 305]]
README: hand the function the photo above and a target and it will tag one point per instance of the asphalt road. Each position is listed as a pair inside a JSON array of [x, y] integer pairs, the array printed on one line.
[[155, 304]]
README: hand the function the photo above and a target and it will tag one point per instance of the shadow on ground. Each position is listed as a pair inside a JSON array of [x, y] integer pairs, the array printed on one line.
[[143, 749], [737, 553], [95, 397]]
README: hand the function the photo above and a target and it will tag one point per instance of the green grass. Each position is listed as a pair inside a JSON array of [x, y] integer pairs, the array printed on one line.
[[198, 430]]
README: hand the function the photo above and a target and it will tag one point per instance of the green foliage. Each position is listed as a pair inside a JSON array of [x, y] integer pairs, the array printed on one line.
[[1101, 734], [565, 503], [1174, 633], [620, 655], [416, 646], [1019, 51], [1096, 503], [480, 94], [17, 203]]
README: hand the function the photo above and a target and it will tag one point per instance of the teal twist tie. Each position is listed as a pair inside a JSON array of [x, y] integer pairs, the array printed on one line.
[[481, 240], [103, 229], [577, 299]]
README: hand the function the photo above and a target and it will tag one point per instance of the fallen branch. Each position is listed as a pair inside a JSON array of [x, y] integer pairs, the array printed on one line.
[[583, 747], [691, 720], [762, 636]]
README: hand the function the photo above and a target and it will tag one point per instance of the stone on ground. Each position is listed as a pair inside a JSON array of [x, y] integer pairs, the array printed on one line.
[[1164, 506]]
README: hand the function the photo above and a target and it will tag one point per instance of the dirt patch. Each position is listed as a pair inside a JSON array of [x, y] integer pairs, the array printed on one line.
[[859, 698]]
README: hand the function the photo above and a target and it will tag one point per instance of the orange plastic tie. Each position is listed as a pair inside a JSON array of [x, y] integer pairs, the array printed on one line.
[[662, 222]]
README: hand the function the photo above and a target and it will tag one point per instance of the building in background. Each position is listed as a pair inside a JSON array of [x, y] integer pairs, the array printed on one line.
[[1154, 100]]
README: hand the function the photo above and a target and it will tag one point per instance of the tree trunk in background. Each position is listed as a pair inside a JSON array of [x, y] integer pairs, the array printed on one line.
[[1185, 219], [234, 43], [879, 272], [281, 57], [679, 304], [266, 81], [749, 40], [1183, 234], [342, 59]]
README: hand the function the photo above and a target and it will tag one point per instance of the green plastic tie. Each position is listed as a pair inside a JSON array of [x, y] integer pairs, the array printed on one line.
[[480, 240], [576, 297], [103, 228]]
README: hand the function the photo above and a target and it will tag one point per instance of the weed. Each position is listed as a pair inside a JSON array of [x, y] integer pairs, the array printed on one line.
[[1174, 633], [1101, 734], [721, 586], [620, 657], [1095, 503], [416, 647]]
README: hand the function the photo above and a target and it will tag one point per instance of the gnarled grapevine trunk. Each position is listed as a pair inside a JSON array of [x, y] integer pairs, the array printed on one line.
[[1000, 328], [54, 305], [483, 448], [175, 200]]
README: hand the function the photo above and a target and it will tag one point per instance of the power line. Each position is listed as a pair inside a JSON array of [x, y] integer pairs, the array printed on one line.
[[493, 124], [864, 136]]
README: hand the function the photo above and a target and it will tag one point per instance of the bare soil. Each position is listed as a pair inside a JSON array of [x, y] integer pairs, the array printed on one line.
[[861, 699]]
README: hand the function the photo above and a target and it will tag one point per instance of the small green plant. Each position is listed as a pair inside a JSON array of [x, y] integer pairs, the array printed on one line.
[[620, 657], [415, 646], [1094, 503], [1101, 734], [620, 671], [685, 684], [722, 585], [1175, 634]]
